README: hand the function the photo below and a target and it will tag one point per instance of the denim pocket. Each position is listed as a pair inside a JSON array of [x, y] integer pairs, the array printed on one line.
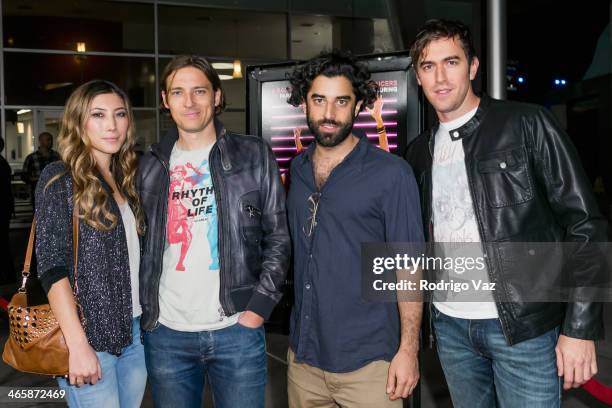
[[247, 327]]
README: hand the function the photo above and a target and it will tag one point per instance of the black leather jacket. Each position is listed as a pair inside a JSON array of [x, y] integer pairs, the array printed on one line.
[[254, 243], [527, 185]]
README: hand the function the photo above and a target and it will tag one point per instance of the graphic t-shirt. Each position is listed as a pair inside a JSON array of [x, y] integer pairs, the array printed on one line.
[[190, 283], [455, 222]]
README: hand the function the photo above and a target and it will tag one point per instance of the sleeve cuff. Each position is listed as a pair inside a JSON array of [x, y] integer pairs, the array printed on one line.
[[584, 321], [48, 278], [594, 334], [261, 304]]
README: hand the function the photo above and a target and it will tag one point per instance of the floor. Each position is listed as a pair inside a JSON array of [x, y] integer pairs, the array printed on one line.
[[433, 390]]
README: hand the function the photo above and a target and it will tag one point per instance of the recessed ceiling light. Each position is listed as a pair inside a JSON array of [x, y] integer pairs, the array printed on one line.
[[223, 65], [50, 87]]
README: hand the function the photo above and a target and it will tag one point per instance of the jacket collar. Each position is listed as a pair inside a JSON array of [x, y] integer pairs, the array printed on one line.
[[468, 128]]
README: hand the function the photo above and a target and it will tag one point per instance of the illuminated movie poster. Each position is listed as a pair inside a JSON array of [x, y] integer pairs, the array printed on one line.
[[285, 128]]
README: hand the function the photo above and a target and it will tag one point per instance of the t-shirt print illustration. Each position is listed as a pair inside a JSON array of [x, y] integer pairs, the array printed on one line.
[[190, 283], [191, 235]]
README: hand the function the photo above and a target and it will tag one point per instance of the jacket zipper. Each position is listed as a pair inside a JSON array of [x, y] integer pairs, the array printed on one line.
[[253, 211], [430, 228], [504, 323], [480, 230], [218, 188], [160, 243]]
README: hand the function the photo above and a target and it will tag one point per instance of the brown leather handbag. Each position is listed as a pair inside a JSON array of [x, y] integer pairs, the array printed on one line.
[[36, 343]]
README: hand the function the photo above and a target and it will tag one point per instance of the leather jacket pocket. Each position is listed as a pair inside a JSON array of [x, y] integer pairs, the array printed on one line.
[[252, 235], [506, 179], [252, 247], [250, 218]]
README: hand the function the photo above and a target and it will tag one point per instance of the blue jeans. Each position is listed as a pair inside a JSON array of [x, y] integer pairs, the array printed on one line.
[[233, 360], [483, 371], [123, 382]]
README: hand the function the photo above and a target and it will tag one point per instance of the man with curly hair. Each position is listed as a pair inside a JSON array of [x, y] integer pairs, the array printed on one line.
[[344, 192]]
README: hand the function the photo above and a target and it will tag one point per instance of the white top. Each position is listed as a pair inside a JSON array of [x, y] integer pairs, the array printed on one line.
[[454, 220], [190, 282], [133, 244]]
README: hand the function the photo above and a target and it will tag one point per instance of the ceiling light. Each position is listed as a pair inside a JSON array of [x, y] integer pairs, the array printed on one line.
[[237, 69], [50, 87], [222, 65]]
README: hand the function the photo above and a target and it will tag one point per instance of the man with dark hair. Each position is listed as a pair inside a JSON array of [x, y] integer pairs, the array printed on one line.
[[35, 162], [7, 206], [500, 173], [345, 192], [216, 249]]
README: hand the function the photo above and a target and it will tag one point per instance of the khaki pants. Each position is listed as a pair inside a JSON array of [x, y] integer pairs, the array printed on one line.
[[311, 387]]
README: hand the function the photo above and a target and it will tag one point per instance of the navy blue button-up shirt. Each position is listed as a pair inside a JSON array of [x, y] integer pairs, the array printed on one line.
[[371, 196]]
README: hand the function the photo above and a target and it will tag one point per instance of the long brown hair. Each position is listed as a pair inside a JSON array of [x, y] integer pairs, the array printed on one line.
[[75, 150]]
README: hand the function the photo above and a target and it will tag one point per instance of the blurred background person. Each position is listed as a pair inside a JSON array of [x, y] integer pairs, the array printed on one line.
[[35, 162], [7, 206]]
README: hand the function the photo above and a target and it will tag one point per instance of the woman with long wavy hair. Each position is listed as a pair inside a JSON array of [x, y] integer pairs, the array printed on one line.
[[94, 186]]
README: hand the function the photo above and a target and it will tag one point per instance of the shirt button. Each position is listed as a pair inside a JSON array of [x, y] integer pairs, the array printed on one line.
[[503, 165], [308, 286], [531, 252], [307, 317]]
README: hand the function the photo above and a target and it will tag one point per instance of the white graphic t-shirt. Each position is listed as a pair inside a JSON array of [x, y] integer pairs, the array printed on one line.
[[190, 283], [455, 222]]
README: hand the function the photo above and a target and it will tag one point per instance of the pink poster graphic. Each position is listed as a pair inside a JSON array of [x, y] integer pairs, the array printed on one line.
[[190, 201]]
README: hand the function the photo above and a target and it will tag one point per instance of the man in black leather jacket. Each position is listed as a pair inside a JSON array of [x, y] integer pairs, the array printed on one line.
[[216, 249], [501, 172]]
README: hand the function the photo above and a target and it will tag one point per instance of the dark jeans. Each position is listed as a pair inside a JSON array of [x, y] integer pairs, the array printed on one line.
[[482, 371], [233, 359]]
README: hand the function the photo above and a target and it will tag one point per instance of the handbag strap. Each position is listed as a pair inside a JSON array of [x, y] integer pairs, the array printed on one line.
[[25, 274], [28, 258], [75, 246]]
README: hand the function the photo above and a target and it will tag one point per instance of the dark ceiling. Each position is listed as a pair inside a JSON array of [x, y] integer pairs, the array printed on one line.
[[551, 39]]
